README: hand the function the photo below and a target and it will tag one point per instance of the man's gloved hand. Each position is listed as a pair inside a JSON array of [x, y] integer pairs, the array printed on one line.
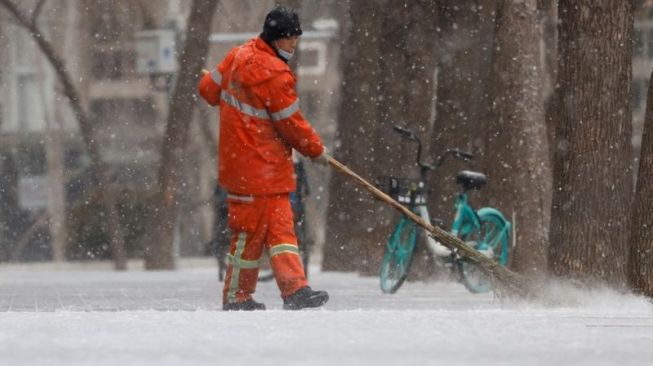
[[322, 159]]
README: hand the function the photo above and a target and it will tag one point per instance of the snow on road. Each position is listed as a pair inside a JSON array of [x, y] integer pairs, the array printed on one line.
[[100, 317]]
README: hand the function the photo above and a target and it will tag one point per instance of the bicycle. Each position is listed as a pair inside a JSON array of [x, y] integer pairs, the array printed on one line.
[[485, 230]]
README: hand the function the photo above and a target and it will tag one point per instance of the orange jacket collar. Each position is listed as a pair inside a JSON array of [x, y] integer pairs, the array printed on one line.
[[264, 46]]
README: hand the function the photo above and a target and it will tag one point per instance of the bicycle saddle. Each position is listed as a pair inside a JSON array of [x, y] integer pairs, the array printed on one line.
[[471, 180]]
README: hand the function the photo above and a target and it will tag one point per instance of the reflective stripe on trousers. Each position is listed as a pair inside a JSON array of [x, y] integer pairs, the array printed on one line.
[[235, 275], [258, 223]]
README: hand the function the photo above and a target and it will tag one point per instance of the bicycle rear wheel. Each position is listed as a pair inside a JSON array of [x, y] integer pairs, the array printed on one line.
[[491, 239], [398, 256]]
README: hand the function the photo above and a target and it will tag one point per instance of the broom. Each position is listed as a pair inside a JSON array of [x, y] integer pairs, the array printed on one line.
[[505, 282]]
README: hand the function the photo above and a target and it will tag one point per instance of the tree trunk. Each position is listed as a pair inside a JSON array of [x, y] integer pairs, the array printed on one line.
[[352, 215], [408, 88], [592, 176], [388, 73], [517, 158], [9, 207], [640, 261], [464, 48], [548, 18], [159, 254], [56, 186], [87, 129]]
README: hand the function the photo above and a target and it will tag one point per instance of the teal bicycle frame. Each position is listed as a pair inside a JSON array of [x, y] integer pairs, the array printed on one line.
[[467, 221]]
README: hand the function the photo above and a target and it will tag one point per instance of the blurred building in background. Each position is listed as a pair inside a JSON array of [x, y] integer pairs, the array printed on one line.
[[96, 40], [121, 55]]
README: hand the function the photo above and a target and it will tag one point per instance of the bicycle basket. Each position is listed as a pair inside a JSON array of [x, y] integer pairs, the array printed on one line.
[[406, 191]]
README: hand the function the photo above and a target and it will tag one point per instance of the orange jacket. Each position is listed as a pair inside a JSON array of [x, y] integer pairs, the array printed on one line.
[[260, 120]]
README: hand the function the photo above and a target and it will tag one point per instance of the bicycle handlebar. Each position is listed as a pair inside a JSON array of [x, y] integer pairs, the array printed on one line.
[[463, 155], [405, 133], [457, 153], [410, 135]]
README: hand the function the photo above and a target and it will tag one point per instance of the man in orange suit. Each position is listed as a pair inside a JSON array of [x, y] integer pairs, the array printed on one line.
[[260, 124]]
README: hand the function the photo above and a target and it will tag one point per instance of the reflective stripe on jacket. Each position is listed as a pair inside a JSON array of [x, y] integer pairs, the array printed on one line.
[[260, 120]]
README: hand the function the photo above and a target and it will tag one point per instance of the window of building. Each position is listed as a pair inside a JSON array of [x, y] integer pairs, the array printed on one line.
[[134, 120], [113, 63], [638, 43], [112, 54], [639, 94], [124, 112], [636, 95], [29, 110], [649, 43], [31, 159], [314, 58], [309, 104]]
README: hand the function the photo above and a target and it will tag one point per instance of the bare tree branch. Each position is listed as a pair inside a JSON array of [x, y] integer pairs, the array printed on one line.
[[148, 20], [37, 11]]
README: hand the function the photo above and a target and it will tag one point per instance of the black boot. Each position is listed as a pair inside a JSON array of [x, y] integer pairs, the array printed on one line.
[[248, 305], [305, 297]]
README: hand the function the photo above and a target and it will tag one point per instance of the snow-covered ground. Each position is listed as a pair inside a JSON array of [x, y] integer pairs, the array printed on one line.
[[93, 316]]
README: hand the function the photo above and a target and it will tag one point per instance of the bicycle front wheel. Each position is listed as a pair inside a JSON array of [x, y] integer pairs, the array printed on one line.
[[491, 239], [398, 256]]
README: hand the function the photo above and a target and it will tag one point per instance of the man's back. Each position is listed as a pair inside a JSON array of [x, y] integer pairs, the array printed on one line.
[[253, 159], [260, 122]]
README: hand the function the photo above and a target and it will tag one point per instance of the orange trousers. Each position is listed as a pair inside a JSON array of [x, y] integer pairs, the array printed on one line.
[[258, 222]]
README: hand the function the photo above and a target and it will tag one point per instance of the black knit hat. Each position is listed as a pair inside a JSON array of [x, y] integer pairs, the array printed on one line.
[[281, 22]]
